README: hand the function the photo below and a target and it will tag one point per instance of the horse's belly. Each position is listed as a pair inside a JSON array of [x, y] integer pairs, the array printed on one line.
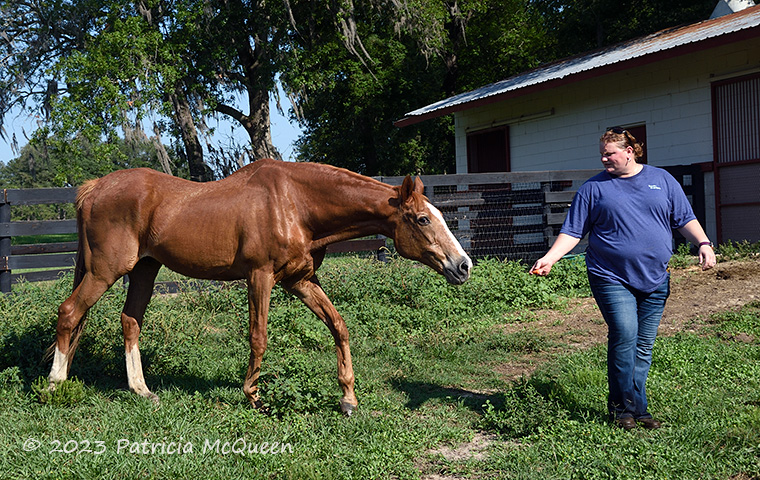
[[201, 262]]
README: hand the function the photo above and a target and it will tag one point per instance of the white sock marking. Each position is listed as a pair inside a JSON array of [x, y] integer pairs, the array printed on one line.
[[60, 367]]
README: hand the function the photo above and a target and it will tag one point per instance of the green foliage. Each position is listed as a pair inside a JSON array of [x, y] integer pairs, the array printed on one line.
[[735, 250], [519, 412], [505, 38], [685, 254], [296, 386], [682, 257], [427, 359], [710, 421], [371, 97], [743, 324], [101, 69], [65, 394], [61, 161], [581, 25], [418, 53]]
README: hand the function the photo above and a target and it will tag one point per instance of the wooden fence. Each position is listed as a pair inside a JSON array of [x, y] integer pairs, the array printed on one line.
[[505, 215], [53, 257], [509, 215]]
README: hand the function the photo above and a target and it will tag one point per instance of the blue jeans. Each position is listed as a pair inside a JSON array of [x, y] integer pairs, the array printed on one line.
[[632, 317]]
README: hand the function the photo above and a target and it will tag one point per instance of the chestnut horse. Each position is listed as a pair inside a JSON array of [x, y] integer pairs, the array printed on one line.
[[268, 222]]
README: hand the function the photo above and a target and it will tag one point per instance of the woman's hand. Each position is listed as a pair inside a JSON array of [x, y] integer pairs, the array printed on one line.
[[706, 257], [562, 245], [542, 267]]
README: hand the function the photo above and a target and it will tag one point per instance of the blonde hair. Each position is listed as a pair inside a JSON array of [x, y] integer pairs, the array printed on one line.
[[623, 139]]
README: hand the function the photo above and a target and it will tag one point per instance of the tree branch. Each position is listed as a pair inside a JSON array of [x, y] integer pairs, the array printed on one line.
[[232, 112]]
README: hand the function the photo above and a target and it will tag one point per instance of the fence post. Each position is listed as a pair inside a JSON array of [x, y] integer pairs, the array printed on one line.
[[5, 243], [548, 229]]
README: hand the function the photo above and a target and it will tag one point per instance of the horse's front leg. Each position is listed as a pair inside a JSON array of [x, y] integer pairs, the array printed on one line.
[[312, 295], [259, 293]]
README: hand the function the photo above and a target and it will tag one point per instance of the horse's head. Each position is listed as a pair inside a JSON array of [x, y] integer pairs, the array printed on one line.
[[421, 234]]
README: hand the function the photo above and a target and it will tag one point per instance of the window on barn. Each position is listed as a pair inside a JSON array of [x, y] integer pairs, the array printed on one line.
[[488, 150]]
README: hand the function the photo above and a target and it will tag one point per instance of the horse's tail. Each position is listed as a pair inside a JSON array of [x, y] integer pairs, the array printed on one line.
[[79, 271]]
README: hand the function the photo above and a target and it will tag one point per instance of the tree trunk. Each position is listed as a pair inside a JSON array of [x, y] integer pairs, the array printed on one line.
[[455, 30], [183, 116], [258, 126], [258, 80]]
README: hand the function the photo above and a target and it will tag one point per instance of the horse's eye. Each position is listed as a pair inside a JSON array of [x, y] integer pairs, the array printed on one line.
[[423, 220]]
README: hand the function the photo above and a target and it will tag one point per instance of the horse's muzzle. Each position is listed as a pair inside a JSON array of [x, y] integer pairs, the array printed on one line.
[[457, 271]]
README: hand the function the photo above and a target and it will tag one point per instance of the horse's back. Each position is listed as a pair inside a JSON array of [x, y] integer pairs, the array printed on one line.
[[265, 213], [212, 230]]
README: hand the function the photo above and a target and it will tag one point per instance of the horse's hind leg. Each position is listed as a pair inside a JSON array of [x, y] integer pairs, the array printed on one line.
[[71, 322], [141, 280]]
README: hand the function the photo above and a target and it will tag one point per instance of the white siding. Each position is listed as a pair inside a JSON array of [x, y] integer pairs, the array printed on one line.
[[671, 97]]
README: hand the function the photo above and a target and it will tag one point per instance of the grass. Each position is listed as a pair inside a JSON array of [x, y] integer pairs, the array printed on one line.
[[684, 255], [51, 238], [425, 356]]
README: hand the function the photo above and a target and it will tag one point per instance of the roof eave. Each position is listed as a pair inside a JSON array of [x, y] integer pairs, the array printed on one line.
[[680, 50]]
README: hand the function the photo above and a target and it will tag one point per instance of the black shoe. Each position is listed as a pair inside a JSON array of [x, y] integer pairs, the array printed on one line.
[[649, 423], [626, 423]]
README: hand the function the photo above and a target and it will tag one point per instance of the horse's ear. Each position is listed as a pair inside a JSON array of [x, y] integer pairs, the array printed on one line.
[[418, 186], [407, 188]]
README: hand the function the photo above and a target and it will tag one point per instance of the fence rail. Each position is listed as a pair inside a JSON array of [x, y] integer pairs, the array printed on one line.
[[506, 215], [510, 215], [54, 258]]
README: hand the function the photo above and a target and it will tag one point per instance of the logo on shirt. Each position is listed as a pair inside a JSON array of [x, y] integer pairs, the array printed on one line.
[[654, 187]]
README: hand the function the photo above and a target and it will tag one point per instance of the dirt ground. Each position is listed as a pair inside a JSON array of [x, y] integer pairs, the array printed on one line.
[[695, 295]]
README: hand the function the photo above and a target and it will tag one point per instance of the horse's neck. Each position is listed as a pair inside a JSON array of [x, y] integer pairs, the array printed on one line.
[[352, 209]]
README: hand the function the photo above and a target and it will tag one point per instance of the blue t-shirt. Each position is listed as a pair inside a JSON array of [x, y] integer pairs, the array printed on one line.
[[629, 222]]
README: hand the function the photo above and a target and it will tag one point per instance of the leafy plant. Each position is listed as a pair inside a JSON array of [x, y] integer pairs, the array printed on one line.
[[66, 393], [682, 257], [519, 412], [735, 250]]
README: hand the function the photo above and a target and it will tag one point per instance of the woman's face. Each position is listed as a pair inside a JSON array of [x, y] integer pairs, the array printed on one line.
[[618, 161]]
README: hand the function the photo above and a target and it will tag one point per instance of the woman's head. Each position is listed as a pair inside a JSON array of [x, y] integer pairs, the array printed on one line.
[[623, 139], [619, 151]]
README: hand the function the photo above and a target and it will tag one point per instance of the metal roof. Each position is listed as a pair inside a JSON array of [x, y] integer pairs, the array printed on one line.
[[620, 55]]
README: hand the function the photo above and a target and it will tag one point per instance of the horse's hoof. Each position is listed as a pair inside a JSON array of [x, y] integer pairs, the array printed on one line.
[[145, 393], [347, 408], [259, 406]]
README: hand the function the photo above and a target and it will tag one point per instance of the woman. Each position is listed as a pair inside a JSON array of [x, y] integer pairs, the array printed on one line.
[[628, 211]]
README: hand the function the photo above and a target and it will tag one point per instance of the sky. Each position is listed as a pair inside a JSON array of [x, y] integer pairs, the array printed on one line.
[[284, 133]]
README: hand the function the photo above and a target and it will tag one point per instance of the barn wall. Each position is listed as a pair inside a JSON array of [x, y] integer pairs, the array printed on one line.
[[671, 97]]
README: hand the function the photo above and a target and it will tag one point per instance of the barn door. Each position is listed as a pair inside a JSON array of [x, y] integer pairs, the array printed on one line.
[[736, 140]]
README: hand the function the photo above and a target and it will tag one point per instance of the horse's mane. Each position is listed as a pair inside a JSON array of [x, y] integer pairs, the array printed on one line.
[[311, 167]]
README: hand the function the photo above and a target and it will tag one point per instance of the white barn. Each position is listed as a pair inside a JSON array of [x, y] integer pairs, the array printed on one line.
[[690, 93]]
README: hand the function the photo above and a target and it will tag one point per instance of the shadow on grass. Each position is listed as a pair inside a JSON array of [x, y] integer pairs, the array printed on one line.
[[532, 402], [420, 393], [100, 367]]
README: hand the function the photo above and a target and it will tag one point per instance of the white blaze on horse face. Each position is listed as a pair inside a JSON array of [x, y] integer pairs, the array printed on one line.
[[452, 239], [460, 262]]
